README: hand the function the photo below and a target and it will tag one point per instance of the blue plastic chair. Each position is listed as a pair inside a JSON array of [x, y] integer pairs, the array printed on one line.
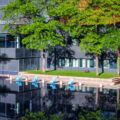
[[53, 80], [18, 80], [71, 82], [34, 81], [53, 86], [19, 83]]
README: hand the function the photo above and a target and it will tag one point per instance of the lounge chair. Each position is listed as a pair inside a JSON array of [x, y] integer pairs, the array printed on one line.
[[52, 85], [71, 82], [18, 80], [53, 80], [34, 81]]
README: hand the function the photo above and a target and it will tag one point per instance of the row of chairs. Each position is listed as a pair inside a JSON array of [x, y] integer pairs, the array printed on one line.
[[52, 83]]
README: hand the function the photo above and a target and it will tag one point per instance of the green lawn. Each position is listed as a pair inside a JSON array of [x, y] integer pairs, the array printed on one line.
[[74, 73]]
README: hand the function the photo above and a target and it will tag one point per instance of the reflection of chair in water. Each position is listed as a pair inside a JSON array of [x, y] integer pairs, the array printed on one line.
[[71, 88], [18, 80], [70, 85], [52, 85], [34, 81]]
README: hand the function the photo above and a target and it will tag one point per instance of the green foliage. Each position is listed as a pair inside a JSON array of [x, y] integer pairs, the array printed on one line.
[[41, 116], [35, 116], [94, 115], [28, 17], [83, 115], [91, 43], [41, 35], [111, 40], [56, 117]]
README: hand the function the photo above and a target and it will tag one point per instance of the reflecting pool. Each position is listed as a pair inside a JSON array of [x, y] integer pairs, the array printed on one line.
[[15, 100]]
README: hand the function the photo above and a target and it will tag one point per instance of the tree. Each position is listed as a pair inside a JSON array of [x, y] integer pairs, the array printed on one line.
[[94, 115], [91, 43], [109, 12], [29, 18], [83, 115], [41, 116], [35, 116], [112, 41], [84, 18], [81, 22]]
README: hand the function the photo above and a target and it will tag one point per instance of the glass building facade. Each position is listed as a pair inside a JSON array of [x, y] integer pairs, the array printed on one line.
[[67, 58], [86, 63]]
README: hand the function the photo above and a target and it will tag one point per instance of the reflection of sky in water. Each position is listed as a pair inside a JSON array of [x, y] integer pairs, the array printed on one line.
[[14, 99]]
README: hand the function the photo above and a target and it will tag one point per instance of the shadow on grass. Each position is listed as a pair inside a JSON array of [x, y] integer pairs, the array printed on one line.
[[101, 73]]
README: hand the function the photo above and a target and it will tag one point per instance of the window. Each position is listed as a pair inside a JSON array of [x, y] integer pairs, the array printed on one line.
[[75, 63], [83, 63], [66, 62], [88, 63], [2, 109], [70, 63], [59, 62], [21, 64], [2, 40], [62, 62], [113, 64], [48, 62], [10, 110], [10, 41], [29, 64], [34, 63], [101, 63], [106, 63], [7, 41], [91, 63]]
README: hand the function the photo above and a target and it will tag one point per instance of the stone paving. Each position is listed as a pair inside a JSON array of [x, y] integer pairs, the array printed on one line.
[[113, 83]]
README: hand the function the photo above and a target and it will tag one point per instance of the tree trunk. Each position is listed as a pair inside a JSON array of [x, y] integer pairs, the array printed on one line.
[[43, 61], [97, 65], [118, 62], [55, 58]]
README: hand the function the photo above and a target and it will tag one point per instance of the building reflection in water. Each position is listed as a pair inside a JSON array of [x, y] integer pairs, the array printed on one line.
[[14, 100]]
